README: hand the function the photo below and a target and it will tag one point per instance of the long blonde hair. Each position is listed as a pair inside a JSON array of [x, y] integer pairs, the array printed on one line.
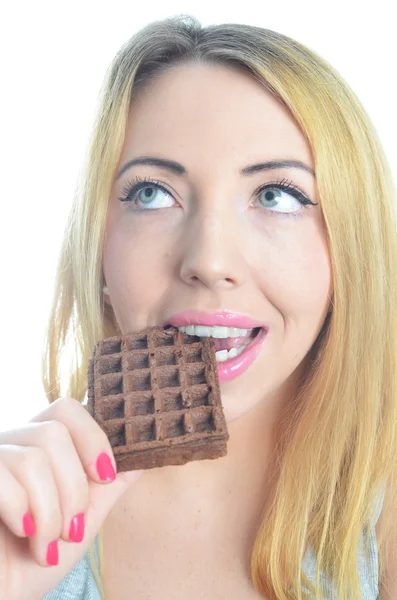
[[339, 437]]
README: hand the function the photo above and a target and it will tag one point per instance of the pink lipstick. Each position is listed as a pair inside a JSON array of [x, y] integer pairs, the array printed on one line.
[[233, 367]]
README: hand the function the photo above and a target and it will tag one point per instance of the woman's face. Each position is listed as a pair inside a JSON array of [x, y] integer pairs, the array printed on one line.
[[208, 240]]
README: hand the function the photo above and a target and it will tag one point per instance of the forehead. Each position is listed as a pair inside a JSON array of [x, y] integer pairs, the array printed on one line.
[[212, 111]]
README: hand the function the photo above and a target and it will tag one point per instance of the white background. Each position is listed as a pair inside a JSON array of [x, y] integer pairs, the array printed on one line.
[[53, 59]]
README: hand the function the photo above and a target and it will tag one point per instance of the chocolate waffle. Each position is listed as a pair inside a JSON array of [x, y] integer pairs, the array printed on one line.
[[156, 395]]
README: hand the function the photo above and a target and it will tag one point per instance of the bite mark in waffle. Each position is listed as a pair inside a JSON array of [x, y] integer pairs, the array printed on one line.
[[156, 395]]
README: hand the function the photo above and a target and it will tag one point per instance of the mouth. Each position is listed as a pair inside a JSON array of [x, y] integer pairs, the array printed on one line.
[[238, 339], [235, 349], [229, 341]]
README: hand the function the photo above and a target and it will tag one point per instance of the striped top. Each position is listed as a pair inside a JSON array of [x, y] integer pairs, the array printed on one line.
[[80, 583]]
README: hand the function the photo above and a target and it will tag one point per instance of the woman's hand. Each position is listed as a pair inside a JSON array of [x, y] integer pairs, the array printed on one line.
[[49, 470]]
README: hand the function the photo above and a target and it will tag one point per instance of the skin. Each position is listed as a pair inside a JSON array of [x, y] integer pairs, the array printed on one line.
[[215, 246]]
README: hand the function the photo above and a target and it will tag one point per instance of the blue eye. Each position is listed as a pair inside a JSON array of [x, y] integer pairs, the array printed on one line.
[[271, 193], [148, 200]]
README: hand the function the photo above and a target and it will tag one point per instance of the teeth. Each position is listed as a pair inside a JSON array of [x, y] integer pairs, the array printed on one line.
[[222, 333], [216, 332], [223, 355]]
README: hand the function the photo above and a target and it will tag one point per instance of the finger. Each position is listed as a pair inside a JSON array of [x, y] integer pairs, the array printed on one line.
[[53, 438], [91, 442], [14, 504], [32, 470]]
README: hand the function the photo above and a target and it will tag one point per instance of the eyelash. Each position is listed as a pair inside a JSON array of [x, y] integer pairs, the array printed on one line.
[[133, 187]]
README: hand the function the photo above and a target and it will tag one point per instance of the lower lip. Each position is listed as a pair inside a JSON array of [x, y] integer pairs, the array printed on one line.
[[229, 369]]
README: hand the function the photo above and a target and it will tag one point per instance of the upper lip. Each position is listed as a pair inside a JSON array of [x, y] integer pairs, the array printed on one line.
[[223, 319]]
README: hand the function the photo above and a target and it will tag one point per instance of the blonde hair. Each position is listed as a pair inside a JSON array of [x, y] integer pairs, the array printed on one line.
[[339, 437]]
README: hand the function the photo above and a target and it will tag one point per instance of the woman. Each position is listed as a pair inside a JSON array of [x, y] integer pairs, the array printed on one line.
[[232, 175]]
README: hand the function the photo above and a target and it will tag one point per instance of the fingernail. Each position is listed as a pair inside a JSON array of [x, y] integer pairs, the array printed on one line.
[[28, 524], [76, 531], [105, 468], [52, 553]]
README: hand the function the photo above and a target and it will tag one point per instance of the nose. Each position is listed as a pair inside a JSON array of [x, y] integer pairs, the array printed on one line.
[[212, 252]]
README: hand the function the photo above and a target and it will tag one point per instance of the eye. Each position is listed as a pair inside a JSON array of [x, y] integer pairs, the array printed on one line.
[[153, 196], [271, 196]]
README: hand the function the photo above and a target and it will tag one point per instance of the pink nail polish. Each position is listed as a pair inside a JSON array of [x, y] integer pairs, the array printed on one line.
[[105, 468], [76, 531], [28, 524], [52, 553]]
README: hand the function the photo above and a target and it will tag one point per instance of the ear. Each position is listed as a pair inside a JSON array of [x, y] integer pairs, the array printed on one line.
[[106, 296]]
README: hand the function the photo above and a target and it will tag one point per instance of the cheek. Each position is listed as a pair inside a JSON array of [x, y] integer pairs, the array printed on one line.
[[136, 274], [293, 269]]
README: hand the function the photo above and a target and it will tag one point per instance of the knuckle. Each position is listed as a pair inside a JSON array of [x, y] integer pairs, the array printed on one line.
[[32, 457], [65, 404], [67, 401], [54, 431]]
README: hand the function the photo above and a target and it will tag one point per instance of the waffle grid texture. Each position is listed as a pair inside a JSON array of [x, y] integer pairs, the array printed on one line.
[[156, 395]]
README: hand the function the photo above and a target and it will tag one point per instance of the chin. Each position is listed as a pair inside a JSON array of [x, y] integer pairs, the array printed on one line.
[[234, 408]]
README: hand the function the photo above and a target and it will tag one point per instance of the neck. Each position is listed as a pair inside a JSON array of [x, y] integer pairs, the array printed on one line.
[[239, 478], [250, 451]]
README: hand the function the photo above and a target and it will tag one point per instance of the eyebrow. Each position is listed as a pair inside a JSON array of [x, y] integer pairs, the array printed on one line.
[[178, 169]]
